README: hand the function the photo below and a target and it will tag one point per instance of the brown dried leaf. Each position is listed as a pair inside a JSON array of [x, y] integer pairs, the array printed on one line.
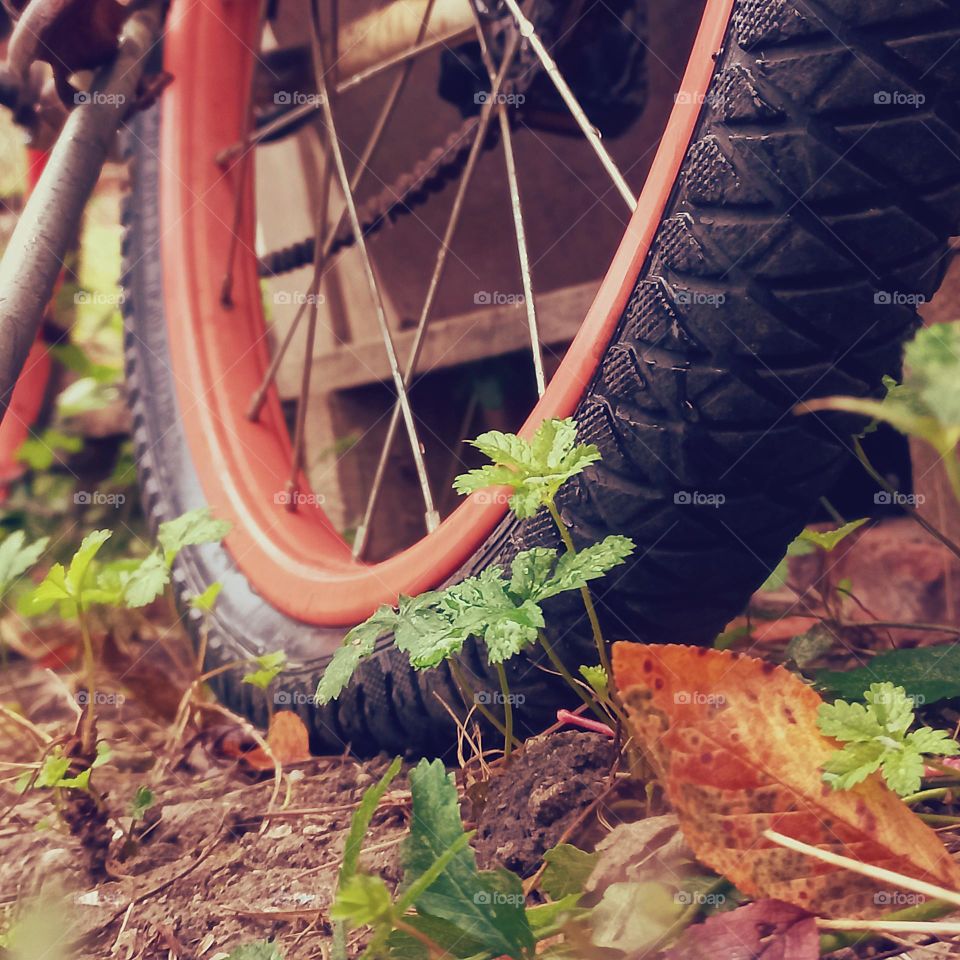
[[735, 743], [765, 930], [288, 740]]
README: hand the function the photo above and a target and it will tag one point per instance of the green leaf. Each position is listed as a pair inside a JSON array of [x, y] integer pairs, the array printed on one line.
[[932, 362], [16, 558], [80, 564], [50, 591], [269, 666], [425, 632], [360, 822], [927, 674], [52, 771], [487, 907], [575, 570], [453, 940], [143, 800], [567, 870], [632, 917], [530, 570], [362, 900], [261, 950], [903, 770], [828, 539], [189, 530], [40, 452], [481, 606], [876, 738], [358, 644], [854, 763], [598, 680], [207, 600], [533, 470], [146, 582]]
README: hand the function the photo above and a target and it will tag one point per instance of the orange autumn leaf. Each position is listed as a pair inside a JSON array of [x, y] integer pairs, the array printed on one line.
[[735, 743], [288, 740]]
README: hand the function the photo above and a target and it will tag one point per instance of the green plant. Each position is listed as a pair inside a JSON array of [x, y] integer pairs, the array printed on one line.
[[130, 583], [926, 405], [503, 612], [875, 738], [445, 905], [53, 772], [268, 667]]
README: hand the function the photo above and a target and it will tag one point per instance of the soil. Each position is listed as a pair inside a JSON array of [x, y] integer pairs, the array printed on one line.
[[212, 869]]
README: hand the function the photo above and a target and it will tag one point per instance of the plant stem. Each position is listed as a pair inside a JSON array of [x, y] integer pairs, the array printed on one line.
[[507, 711], [951, 467], [929, 910], [433, 948], [584, 590], [910, 510], [560, 667], [90, 669], [469, 696], [936, 793]]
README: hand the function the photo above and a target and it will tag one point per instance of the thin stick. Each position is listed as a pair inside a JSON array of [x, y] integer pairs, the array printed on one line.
[[865, 869], [507, 711], [933, 928]]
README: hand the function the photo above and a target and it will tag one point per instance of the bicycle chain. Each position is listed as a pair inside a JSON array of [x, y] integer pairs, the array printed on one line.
[[411, 190]]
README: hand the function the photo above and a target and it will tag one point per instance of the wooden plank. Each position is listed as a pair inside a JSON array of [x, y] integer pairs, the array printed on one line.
[[487, 331]]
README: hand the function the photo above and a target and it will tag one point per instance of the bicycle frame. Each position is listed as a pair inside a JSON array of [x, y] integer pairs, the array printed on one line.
[[51, 217]]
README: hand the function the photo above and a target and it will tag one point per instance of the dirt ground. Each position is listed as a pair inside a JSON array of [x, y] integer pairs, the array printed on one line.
[[213, 865]]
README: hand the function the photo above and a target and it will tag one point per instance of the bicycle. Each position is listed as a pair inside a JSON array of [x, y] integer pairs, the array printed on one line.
[[810, 163]]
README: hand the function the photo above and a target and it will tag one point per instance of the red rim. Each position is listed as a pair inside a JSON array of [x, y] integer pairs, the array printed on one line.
[[297, 561]]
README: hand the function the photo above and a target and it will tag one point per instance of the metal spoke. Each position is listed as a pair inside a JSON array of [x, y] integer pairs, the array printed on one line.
[[296, 114], [299, 436], [509, 159], [226, 287], [431, 518], [360, 540], [589, 131], [373, 141]]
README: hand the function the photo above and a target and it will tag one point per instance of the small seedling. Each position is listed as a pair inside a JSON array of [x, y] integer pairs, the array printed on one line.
[[52, 773], [122, 583], [503, 612], [875, 738], [268, 667], [927, 404]]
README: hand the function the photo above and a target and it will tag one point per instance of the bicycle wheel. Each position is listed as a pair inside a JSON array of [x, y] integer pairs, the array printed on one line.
[[797, 209]]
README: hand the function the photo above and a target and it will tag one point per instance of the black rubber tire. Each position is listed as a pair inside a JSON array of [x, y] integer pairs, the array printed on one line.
[[825, 172]]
